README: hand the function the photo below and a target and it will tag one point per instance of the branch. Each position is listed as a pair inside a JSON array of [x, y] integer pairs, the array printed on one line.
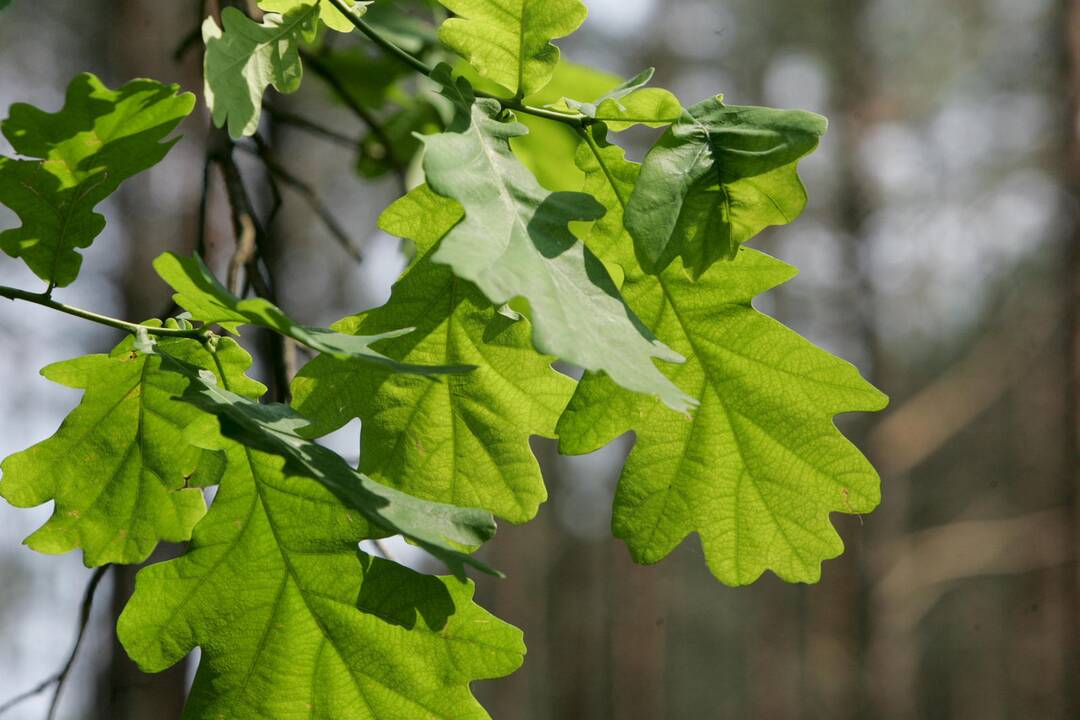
[[45, 300], [320, 68], [307, 192], [576, 121], [60, 678], [288, 118]]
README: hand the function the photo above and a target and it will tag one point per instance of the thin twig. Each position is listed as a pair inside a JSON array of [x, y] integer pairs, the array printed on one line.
[[60, 678], [45, 301], [302, 123], [308, 193], [423, 68], [320, 68]]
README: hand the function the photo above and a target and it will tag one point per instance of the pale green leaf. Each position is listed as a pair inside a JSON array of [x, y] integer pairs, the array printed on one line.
[[760, 466], [509, 41], [243, 58], [464, 441], [294, 622], [515, 242], [208, 301], [329, 14], [121, 474], [446, 531], [718, 177], [80, 155], [630, 104]]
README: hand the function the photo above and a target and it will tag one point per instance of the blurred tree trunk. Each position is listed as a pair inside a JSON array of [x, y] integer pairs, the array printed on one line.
[[136, 49], [1071, 637]]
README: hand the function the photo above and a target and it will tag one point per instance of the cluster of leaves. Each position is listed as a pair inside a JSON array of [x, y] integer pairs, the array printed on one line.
[[635, 273]]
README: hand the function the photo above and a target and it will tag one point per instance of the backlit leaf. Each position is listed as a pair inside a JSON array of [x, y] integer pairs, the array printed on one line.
[[76, 158]]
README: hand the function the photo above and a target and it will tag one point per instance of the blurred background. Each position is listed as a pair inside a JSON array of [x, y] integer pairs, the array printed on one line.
[[939, 253]]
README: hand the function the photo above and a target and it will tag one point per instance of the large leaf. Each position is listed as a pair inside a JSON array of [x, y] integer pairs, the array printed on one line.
[[515, 242], [208, 301], [446, 531], [119, 471], [630, 104], [760, 466], [464, 441], [329, 14], [81, 154], [295, 622], [718, 177], [509, 41], [243, 58]]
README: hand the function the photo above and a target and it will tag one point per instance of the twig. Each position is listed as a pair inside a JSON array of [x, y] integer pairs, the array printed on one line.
[[45, 301], [288, 118], [423, 68], [307, 192], [320, 68], [60, 678]]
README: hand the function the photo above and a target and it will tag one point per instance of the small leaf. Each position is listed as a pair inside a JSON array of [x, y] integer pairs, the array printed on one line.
[[464, 441], [82, 154], [515, 242], [200, 293], [509, 41], [630, 104], [717, 178], [122, 477], [446, 531], [330, 15], [760, 466], [244, 57]]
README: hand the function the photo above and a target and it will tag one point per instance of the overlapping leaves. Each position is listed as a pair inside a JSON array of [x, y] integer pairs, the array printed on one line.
[[515, 241], [208, 301], [330, 15], [464, 440], [121, 474], [75, 158], [718, 177], [760, 465], [294, 621]]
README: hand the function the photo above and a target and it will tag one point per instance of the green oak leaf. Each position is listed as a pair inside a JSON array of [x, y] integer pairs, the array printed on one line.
[[515, 242], [446, 531], [122, 477], [509, 41], [630, 104], [208, 301], [330, 15], [243, 58], [294, 621], [718, 177], [760, 466], [74, 159], [464, 441]]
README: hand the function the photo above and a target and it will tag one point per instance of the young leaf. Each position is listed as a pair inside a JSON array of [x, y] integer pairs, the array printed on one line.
[[82, 154], [327, 12], [515, 242], [509, 41], [760, 466], [718, 177], [122, 477], [294, 621], [630, 104], [244, 57], [464, 441], [446, 531], [208, 301]]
